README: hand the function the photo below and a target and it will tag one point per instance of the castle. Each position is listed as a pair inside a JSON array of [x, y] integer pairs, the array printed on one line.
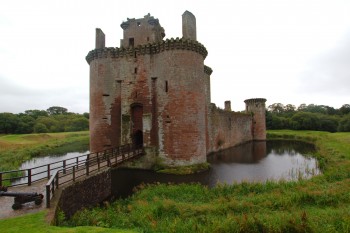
[[156, 93]]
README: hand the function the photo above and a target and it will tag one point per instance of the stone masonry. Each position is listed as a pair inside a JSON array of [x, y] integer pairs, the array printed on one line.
[[156, 93]]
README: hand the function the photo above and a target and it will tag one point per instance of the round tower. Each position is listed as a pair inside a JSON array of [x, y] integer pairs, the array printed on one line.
[[256, 107]]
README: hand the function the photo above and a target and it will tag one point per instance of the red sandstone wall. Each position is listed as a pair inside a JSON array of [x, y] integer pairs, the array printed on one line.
[[181, 106], [228, 129]]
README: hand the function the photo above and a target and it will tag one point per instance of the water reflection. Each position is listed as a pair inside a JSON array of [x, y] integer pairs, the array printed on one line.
[[255, 161], [261, 161]]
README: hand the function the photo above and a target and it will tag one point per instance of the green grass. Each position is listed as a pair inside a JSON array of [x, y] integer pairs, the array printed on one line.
[[35, 223], [320, 204], [185, 170], [18, 148]]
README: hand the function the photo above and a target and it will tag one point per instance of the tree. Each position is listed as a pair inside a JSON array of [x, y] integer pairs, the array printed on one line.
[[344, 124], [276, 108], [40, 128], [289, 108], [306, 120], [302, 107], [25, 124], [51, 124], [345, 109], [56, 110], [77, 124], [35, 113], [8, 123]]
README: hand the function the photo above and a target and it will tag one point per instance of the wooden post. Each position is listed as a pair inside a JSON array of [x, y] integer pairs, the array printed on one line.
[[48, 171], [29, 177], [73, 173], [48, 196], [98, 163], [87, 167], [77, 162], [57, 176], [64, 166]]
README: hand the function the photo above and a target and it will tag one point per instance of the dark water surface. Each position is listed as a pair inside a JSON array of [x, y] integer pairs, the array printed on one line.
[[252, 162]]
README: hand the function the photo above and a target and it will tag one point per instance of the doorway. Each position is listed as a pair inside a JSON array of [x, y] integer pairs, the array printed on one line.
[[137, 126]]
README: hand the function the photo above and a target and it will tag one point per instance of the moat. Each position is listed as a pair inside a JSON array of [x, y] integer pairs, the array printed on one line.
[[250, 162]]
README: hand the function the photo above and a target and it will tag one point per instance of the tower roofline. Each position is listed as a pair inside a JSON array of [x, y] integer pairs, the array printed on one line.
[[154, 48]]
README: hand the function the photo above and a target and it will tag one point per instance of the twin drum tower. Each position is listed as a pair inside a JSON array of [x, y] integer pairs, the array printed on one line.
[[156, 93]]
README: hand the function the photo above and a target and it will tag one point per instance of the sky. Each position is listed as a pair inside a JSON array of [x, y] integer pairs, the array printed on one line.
[[287, 51]]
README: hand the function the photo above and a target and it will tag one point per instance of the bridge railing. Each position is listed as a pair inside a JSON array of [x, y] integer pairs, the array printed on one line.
[[35, 174], [31, 175], [93, 163]]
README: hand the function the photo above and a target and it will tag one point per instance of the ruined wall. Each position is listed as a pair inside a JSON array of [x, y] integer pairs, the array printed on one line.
[[228, 129], [141, 31]]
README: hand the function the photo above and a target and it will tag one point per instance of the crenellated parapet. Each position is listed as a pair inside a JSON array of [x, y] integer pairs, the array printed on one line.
[[208, 70], [255, 101], [154, 48]]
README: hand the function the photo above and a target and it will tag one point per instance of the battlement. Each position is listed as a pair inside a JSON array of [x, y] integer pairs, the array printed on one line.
[[154, 48], [255, 100], [208, 70]]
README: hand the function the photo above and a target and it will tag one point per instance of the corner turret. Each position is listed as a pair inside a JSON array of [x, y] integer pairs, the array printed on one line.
[[256, 107]]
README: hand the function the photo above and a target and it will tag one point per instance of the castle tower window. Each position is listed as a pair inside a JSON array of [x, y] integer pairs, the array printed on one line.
[[166, 86], [139, 24], [135, 71], [131, 42]]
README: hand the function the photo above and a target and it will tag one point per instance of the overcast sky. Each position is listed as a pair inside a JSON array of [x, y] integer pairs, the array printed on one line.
[[288, 52]]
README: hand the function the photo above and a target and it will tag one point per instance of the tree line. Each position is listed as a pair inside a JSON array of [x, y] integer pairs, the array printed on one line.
[[54, 119], [308, 117]]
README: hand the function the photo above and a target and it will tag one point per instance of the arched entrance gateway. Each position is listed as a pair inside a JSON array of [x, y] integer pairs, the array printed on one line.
[[137, 127]]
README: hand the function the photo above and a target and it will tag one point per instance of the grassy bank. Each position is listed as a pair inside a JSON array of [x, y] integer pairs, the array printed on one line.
[[35, 223], [18, 148], [321, 204]]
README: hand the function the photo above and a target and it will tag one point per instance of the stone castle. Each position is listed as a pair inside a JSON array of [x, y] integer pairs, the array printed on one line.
[[156, 93]]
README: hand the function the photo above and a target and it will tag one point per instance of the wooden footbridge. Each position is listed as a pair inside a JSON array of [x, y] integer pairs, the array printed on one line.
[[68, 170]]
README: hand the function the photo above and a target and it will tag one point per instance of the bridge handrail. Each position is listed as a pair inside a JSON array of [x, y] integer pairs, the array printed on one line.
[[60, 174], [18, 174]]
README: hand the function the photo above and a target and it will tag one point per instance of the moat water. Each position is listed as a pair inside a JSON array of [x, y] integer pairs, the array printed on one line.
[[251, 162]]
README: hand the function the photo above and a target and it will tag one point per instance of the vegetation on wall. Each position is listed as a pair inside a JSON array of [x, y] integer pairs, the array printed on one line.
[[308, 117], [54, 119]]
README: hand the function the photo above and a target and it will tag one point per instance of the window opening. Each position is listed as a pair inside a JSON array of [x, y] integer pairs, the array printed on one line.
[[131, 42], [166, 86], [135, 71]]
